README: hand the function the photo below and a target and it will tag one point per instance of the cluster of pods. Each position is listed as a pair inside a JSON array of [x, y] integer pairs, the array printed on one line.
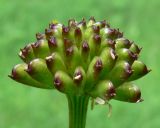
[[83, 58]]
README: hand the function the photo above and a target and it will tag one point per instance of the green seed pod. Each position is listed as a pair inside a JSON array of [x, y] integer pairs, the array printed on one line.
[[20, 75], [94, 45], [120, 73], [41, 49], [85, 53], [49, 33], [55, 63], [108, 57], [72, 59], [104, 90], [107, 43], [139, 69], [82, 25], [38, 70], [126, 55], [91, 21], [52, 43], [40, 36], [128, 92], [135, 49], [78, 36], [93, 72], [64, 83], [79, 79], [111, 33], [57, 29], [122, 43], [27, 54]]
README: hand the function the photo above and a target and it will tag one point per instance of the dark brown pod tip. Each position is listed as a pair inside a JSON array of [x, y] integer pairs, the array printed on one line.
[[29, 69], [127, 42], [72, 23], [13, 74], [40, 36], [58, 83], [85, 46], [49, 61], [118, 33], [83, 22], [111, 92], [65, 30], [133, 56], [78, 32], [146, 70], [48, 32], [137, 97], [96, 29], [137, 49], [111, 32], [25, 50], [36, 44], [69, 51], [92, 18], [104, 24], [52, 41], [97, 39], [111, 43], [78, 77], [67, 43], [52, 26], [128, 71], [98, 65]]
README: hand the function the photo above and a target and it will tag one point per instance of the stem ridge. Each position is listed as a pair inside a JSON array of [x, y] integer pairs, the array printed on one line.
[[77, 110]]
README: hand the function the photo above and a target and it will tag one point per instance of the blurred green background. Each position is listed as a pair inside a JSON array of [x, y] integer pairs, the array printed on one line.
[[26, 107]]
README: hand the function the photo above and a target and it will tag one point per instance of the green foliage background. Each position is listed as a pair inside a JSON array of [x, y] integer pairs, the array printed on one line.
[[26, 107]]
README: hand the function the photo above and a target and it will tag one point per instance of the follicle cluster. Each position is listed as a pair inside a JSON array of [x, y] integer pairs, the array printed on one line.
[[86, 58]]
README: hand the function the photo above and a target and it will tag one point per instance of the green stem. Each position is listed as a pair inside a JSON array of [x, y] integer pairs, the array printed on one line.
[[77, 110]]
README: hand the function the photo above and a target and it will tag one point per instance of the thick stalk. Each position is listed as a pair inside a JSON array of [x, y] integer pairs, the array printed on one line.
[[77, 110]]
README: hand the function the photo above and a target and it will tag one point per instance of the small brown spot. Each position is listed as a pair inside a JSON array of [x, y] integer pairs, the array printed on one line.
[[92, 18], [40, 36], [97, 39], [65, 30], [69, 51], [36, 44], [72, 23], [83, 22], [96, 29], [29, 70], [110, 91], [49, 61], [78, 32], [128, 71], [52, 42], [85, 46], [48, 32], [132, 55], [67, 43], [98, 65], [111, 43], [58, 83], [52, 26], [26, 50], [137, 96]]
